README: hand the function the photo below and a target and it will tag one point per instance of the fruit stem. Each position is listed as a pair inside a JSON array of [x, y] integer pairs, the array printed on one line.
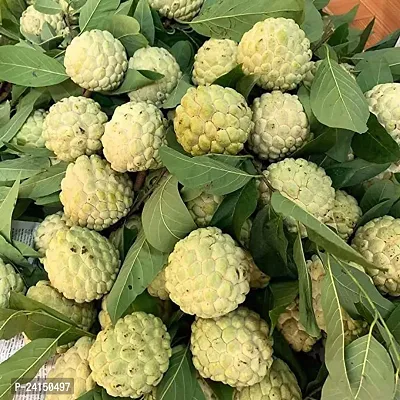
[[140, 178], [87, 93]]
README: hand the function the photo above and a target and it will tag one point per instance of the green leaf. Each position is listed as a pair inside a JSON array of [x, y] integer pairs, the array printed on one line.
[[180, 90], [235, 209], [230, 19], [64, 89], [379, 210], [25, 364], [145, 19], [184, 55], [6, 210], [312, 24], [336, 99], [320, 4], [246, 84], [341, 150], [5, 111], [95, 13], [203, 172], [284, 293], [378, 192], [28, 67], [223, 392], [231, 78], [388, 42], [392, 56], [52, 199], [126, 7], [142, 263], [372, 73], [393, 322], [47, 7], [321, 144], [26, 166], [364, 37], [165, 218], [342, 19]]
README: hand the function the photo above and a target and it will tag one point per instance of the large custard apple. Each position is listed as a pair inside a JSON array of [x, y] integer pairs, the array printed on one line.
[[30, 134], [216, 57], [32, 22], [208, 273], [82, 314], [309, 78], [74, 127], [384, 102], [130, 358], [96, 61], [159, 60], [280, 126], [10, 281], [73, 365], [304, 183], [183, 10], [157, 287], [235, 349], [277, 51], [279, 384], [203, 207], [81, 264], [379, 242], [93, 194], [133, 137], [344, 215], [212, 119]]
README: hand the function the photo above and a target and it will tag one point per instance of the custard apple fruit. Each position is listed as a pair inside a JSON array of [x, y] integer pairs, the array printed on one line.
[[212, 119], [133, 137], [384, 102], [104, 316], [277, 51], [32, 22], [234, 349], [208, 273], [264, 192], [279, 384], [293, 331], [216, 57], [10, 281], [203, 207], [74, 127], [379, 242], [183, 10], [73, 365], [258, 279], [309, 78], [280, 126], [157, 287], [30, 134], [304, 183], [81, 264], [130, 358], [159, 60], [96, 61], [82, 314], [93, 194], [344, 215]]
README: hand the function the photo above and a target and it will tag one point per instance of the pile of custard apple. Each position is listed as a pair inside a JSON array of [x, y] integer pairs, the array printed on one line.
[[199, 200]]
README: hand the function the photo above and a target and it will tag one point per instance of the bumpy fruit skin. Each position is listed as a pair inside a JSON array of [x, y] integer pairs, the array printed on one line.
[[74, 127], [159, 60], [10, 281], [93, 194], [304, 183], [134, 136], [46, 230], [183, 10], [293, 331], [208, 273], [82, 314], [309, 78], [258, 279], [264, 193], [30, 134], [81, 264], [280, 126], [212, 119], [96, 61], [74, 365], [384, 102], [104, 316], [203, 207], [235, 349], [216, 57], [129, 359], [344, 215], [279, 384], [379, 242], [32, 21], [277, 51], [157, 287]]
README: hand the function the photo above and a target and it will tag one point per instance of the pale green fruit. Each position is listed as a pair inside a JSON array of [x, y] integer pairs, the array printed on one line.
[[134, 136], [74, 127], [208, 273], [104, 316], [183, 10], [30, 134], [130, 358], [277, 51], [203, 207], [96, 60], [157, 287], [216, 57], [93, 194], [10, 281], [212, 119], [81, 264], [234, 349]]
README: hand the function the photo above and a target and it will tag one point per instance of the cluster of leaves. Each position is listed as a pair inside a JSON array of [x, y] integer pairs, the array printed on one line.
[[341, 123]]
